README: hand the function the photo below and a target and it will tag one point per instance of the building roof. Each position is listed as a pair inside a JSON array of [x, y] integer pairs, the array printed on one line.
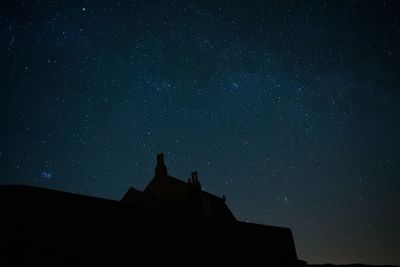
[[186, 197]]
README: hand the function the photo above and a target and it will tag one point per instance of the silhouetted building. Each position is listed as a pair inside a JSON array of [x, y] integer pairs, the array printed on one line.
[[179, 197], [170, 222]]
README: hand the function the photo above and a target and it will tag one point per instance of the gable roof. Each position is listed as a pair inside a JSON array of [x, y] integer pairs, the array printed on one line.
[[167, 187], [138, 198], [169, 190]]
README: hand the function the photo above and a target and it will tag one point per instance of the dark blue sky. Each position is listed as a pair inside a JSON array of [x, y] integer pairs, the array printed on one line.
[[291, 109]]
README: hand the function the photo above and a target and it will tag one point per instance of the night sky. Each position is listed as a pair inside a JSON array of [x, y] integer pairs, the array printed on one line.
[[291, 109]]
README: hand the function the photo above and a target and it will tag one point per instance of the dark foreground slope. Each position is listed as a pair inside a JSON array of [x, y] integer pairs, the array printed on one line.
[[348, 265], [44, 227]]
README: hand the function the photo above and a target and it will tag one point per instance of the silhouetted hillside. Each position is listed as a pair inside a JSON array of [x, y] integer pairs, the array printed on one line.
[[348, 265], [170, 223]]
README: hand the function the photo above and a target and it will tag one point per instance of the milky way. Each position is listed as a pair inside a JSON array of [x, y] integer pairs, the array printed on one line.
[[291, 109]]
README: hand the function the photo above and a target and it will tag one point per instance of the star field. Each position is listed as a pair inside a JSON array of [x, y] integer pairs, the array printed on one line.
[[291, 109]]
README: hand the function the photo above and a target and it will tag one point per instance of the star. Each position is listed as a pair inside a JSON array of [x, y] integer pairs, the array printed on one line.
[[47, 175]]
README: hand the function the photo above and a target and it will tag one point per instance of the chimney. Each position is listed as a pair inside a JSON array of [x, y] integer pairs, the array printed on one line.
[[195, 180], [161, 169], [194, 177]]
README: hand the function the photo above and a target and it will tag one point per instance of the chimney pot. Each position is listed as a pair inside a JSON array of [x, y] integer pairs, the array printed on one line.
[[194, 177], [160, 159], [161, 169]]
